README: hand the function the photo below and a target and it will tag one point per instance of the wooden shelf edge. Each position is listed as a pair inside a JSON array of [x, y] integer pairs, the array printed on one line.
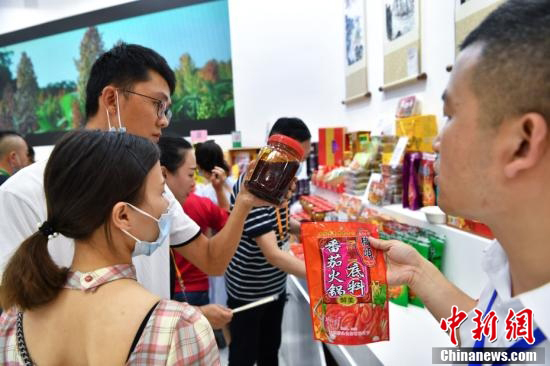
[[403, 82], [357, 98]]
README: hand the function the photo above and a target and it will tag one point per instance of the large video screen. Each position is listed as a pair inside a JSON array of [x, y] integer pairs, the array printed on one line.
[[44, 69]]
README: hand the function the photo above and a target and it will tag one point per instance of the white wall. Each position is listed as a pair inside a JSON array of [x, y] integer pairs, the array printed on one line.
[[288, 60]]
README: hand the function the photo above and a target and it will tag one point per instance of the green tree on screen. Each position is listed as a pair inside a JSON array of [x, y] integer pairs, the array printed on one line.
[[7, 106], [91, 47], [5, 73], [6, 91], [26, 96]]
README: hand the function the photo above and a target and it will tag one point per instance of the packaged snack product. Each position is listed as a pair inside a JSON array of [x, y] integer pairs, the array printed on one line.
[[399, 295], [412, 195], [346, 282], [427, 174]]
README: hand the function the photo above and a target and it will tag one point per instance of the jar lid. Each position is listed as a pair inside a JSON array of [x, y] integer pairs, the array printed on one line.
[[290, 142]]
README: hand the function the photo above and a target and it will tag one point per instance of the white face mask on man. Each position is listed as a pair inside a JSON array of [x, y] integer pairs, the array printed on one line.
[[144, 247]]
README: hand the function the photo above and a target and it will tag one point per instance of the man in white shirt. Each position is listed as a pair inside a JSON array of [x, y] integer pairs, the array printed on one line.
[[494, 167], [129, 88]]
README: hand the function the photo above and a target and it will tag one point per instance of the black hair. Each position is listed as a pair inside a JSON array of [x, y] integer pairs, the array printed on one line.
[[511, 77], [123, 65], [210, 155], [30, 153], [172, 152], [291, 127], [87, 174]]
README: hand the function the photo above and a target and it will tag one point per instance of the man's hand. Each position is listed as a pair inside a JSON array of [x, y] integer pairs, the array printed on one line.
[[407, 267], [403, 261], [217, 315]]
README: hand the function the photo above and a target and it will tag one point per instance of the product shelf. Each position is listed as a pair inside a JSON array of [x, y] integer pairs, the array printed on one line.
[[413, 331]]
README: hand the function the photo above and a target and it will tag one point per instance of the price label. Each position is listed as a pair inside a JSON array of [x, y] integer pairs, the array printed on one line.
[[199, 136], [412, 62], [398, 151], [374, 177]]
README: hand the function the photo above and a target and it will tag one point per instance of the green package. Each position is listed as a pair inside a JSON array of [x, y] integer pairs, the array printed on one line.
[[399, 295]]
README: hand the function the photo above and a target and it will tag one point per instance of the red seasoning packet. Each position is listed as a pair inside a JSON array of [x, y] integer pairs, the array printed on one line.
[[347, 283]]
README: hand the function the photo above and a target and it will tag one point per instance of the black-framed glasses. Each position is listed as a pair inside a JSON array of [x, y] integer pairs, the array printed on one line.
[[162, 107]]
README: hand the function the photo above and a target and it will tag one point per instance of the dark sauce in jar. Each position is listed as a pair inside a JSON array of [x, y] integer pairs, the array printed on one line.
[[270, 180]]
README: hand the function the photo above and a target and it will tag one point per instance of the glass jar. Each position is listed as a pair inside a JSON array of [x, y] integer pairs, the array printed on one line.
[[276, 166]]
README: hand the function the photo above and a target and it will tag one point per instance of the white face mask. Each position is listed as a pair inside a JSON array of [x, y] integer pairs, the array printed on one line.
[[120, 127], [164, 223]]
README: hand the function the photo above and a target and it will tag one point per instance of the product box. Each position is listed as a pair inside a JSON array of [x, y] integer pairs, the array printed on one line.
[[471, 226], [356, 141], [408, 106], [421, 131], [332, 143]]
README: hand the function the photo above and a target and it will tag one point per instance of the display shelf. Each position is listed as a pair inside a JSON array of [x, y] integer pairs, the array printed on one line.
[[463, 252], [413, 331], [406, 324]]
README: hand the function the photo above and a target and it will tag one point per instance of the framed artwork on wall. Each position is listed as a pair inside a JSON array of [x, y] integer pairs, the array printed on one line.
[[402, 61], [44, 69], [356, 51]]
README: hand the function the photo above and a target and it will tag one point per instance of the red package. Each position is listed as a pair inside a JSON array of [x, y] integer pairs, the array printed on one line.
[[346, 282]]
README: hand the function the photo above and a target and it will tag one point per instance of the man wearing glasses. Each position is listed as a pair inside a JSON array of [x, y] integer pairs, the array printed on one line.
[[129, 90]]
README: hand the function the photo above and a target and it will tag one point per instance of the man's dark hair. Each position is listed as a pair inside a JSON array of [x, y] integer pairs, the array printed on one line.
[[210, 155], [291, 127], [172, 152], [124, 65], [513, 73]]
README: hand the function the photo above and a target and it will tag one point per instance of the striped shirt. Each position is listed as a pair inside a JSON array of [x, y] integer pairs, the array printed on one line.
[[249, 276]]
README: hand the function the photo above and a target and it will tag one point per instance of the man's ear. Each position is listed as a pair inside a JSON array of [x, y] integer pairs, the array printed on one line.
[[108, 98], [120, 216], [525, 143], [164, 171]]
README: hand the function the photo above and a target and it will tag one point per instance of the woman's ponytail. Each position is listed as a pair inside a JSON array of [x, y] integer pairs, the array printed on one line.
[[31, 278]]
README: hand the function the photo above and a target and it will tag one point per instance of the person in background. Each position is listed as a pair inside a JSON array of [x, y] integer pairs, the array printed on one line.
[[31, 154], [13, 154], [494, 167], [128, 90], [213, 166], [178, 167], [259, 269], [97, 311]]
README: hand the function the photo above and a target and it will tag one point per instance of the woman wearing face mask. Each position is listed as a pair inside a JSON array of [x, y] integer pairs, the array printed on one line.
[[190, 283], [106, 191]]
